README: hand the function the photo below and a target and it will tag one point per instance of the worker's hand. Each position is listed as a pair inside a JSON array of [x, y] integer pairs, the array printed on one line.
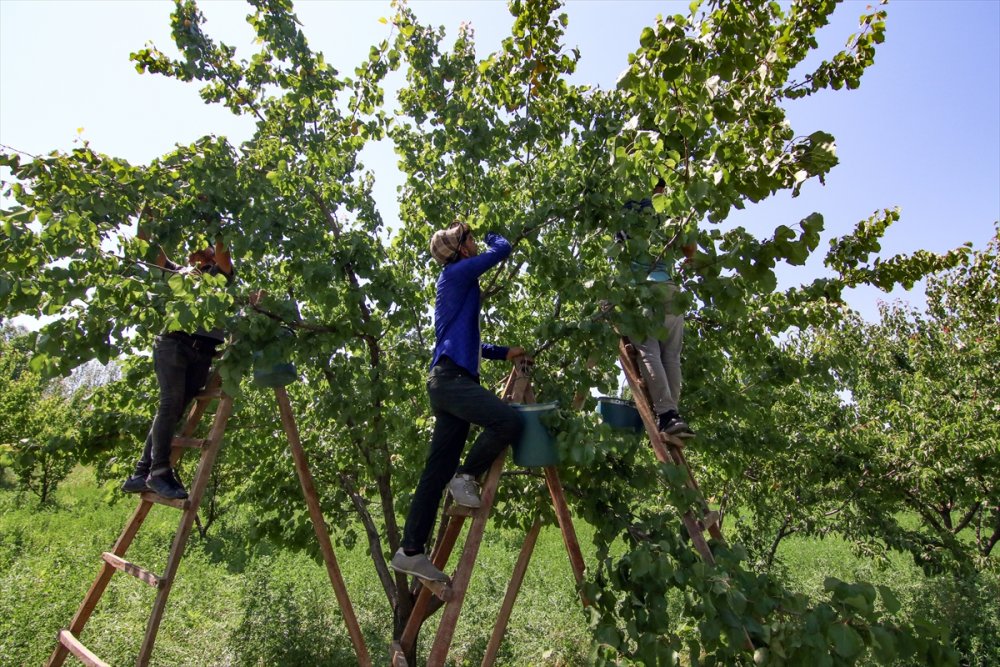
[[515, 352]]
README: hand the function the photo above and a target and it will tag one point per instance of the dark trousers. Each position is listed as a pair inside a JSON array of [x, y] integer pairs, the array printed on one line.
[[182, 363], [458, 401]]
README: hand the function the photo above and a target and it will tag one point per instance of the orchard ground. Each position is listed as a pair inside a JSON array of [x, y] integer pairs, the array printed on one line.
[[235, 604]]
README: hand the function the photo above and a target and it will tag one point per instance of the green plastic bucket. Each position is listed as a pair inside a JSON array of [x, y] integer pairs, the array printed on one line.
[[537, 447], [619, 413]]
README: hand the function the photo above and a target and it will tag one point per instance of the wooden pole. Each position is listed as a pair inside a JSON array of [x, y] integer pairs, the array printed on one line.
[[463, 573], [316, 514], [672, 454], [565, 520], [420, 611], [103, 578], [513, 588], [198, 486]]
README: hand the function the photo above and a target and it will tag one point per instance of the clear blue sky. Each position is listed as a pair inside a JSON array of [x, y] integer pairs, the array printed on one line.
[[922, 132]]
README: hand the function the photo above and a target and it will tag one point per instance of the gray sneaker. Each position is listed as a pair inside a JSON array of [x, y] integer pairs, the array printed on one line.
[[465, 491], [418, 565]]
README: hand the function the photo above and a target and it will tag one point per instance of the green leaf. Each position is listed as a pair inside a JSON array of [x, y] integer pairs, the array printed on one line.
[[846, 641], [647, 37], [889, 599]]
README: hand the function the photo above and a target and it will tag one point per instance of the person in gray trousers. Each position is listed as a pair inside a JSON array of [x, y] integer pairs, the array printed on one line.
[[661, 356]]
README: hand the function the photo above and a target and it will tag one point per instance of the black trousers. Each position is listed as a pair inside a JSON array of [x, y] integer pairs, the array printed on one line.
[[182, 363], [458, 401]]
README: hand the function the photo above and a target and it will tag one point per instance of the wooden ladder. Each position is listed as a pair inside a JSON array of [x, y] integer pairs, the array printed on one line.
[[518, 389], [669, 449], [68, 640]]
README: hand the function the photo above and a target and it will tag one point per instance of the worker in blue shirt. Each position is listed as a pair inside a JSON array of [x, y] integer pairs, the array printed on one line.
[[456, 397]]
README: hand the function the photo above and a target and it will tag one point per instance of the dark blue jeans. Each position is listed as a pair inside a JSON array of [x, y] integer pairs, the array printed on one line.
[[182, 363], [458, 401]]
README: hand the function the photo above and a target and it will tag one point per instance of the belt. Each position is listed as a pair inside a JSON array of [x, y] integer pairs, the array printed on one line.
[[449, 367]]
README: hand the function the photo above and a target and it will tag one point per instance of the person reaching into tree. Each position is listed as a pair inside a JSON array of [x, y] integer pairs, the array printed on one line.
[[182, 361], [456, 397], [660, 356]]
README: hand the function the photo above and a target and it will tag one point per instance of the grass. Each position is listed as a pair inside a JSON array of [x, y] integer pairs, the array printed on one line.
[[256, 606], [234, 604]]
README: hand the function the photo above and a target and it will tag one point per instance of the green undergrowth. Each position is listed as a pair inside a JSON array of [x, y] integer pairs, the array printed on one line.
[[965, 604], [234, 604], [260, 605]]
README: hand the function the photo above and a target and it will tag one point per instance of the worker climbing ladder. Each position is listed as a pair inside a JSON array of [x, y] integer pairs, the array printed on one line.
[[452, 594], [114, 560], [669, 449]]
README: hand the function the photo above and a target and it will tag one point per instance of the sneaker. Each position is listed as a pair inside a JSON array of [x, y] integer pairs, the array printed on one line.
[[464, 490], [166, 485], [418, 565], [135, 484], [672, 424], [679, 429]]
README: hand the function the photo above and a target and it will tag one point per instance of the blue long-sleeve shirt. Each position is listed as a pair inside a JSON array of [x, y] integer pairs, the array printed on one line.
[[456, 308]]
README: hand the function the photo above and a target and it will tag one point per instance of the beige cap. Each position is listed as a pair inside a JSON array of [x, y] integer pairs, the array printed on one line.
[[446, 243]]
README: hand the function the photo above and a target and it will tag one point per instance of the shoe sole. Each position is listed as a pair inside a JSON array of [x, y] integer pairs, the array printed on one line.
[[169, 496], [461, 504], [412, 573]]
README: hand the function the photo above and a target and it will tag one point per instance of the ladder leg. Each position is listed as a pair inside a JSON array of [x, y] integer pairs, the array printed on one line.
[[662, 452], [675, 455], [316, 514], [421, 607], [566, 526], [513, 588], [463, 574], [103, 578], [195, 414], [201, 478]]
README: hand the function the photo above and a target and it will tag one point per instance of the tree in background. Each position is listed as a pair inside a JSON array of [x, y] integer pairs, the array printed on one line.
[[926, 402], [38, 434]]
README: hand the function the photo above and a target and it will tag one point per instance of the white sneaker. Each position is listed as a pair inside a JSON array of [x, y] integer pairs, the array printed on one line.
[[418, 565], [465, 491]]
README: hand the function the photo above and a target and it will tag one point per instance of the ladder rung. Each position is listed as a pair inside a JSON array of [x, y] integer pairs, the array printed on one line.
[[86, 656], [139, 573], [194, 443], [398, 657], [151, 497], [672, 440], [442, 589], [461, 510], [210, 395]]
